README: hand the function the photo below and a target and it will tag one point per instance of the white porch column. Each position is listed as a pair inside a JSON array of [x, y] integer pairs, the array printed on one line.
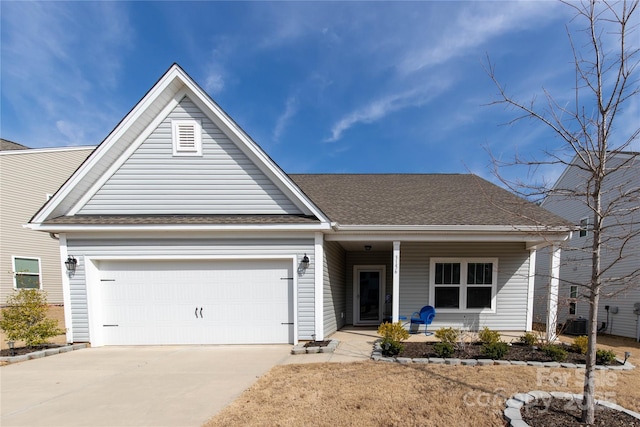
[[318, 272], [395, 305], [554, 283], [531, 288]]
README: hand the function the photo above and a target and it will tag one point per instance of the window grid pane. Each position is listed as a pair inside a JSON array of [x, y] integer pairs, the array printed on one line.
[[447, 273], [480, 273], [26, 265], [447, 297], [25, 281], [479, 297]]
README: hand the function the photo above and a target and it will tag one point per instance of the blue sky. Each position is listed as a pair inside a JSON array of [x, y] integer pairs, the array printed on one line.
[[321, 87]]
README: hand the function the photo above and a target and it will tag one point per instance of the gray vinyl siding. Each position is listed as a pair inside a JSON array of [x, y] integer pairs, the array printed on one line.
[[221, 181], [513, 271], [28, 176], [334, 288], [575, 264], [124, 248]]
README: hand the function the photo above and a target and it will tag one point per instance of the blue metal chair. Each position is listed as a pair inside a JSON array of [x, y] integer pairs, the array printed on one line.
[[423, 317]]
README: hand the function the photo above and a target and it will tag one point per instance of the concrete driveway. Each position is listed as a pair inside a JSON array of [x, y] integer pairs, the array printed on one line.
[[131, 386]]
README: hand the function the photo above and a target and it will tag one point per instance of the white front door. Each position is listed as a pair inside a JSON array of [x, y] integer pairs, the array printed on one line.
[[368, 297]]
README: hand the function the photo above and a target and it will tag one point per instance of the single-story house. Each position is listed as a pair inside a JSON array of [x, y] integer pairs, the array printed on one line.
[[184, 231]]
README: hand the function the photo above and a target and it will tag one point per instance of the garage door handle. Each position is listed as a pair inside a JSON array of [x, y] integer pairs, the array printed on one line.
[[196, 312], [201, 312]]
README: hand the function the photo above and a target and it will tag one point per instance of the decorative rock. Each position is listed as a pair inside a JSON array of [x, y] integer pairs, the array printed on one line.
[[311, 350], [502, 362], [519, 423], [298, 350], [632, 413], [66, 349], [79, 346], [551, 365], [469, 362], [450, 361], [517, 362], [421, 360], [436, 360], [581, 365], [36, 355], [387, 359], [562, 395], [524, 397], [532, 363], [512, 414], [485, 362], [539, 394], [515, 403], [568, 365], [51, 351], [404, 360]]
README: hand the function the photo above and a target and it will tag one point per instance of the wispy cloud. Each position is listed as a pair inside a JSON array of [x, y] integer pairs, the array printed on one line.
[[291, 108], [60, 57]]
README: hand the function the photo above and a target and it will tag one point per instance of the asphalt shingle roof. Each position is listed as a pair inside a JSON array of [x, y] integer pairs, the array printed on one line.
[[420, 199], [182, 219]]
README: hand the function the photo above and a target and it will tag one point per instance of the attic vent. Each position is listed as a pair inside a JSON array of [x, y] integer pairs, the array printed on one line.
[[187, 138]]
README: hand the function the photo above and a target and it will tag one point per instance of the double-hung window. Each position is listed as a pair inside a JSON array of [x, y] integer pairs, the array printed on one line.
[[26, 273], [463, 284]]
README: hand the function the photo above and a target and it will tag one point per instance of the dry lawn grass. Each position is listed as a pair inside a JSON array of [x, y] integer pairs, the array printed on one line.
[[385, 394]]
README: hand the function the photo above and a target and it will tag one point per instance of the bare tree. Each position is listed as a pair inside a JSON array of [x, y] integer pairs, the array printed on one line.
[[606, 82]]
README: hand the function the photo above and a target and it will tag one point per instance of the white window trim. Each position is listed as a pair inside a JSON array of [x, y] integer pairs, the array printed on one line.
[[573, 300], [180, 151], [463, 284], [16, 273]]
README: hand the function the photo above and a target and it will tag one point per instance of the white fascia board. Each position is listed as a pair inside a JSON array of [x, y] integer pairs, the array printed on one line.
[[529, 238], [106, 145], [195, 235], [452, 228], [62, 228], [244, 142]]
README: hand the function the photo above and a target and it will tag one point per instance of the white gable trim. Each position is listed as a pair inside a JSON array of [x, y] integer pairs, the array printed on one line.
[[212, 110]]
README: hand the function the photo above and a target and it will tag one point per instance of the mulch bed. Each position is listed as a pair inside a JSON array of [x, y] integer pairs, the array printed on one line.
[[517, 351], [19, 351], [566, 413], [317, 344]]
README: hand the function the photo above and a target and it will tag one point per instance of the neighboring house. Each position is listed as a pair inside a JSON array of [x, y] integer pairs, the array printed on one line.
[[619, 314], [186, 232], [28, 177]]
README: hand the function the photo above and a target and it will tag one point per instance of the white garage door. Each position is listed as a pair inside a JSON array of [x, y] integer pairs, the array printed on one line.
[[196, 302]]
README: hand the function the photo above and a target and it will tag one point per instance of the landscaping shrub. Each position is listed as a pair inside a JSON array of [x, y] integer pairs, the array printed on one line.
[[529, 338], [392, 336], [444, 349], [487, 336], [448, 335], [495, 350], [580, 344], [605, 357], [556, 352], [25, 318]]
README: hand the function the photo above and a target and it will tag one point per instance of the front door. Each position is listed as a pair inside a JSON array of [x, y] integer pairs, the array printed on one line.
[[368, 298]]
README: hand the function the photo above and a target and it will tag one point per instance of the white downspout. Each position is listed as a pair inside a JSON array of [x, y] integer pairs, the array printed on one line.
[[66, 288]]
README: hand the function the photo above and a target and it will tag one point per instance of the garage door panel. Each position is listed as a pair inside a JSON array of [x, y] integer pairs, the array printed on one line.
[[196, 302]]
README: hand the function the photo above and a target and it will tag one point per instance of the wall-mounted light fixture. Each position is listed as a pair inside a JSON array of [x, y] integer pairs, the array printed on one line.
[[71, 264], [304, 264]]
